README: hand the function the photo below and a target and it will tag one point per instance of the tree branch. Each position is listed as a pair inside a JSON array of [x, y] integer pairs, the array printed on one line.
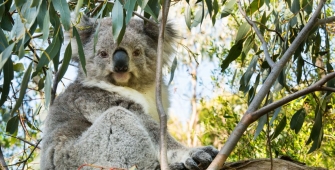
[[23, 140], [325, 20], [159, 103], [246, 120], [3, 164], [258, 33]]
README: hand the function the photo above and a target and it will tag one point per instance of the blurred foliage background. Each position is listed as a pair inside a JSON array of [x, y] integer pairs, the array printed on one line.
[[218, 68]]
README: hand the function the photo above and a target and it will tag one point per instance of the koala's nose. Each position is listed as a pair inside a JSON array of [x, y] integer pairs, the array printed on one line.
[[121, 61]]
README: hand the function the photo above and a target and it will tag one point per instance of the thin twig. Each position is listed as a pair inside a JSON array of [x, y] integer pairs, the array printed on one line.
[[162, 115], [23, 140], [29, 156], [258, 33], [270, 30]]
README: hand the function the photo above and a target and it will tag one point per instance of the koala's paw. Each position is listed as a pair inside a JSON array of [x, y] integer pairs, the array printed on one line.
[[129, 105], [199, 159]]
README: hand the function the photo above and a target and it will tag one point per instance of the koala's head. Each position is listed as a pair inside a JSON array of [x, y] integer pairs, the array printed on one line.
[[132, 63]]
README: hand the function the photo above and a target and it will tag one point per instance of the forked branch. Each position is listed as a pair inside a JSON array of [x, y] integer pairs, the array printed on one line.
[[247, 119]]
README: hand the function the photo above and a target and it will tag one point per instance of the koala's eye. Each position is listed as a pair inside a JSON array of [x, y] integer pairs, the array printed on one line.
[[103, 54], [136, 52]]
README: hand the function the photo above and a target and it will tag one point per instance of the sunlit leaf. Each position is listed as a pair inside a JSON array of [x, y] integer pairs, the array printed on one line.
[[45, 30], [228, 8], [297, 120], [254, 6], [199, 16], [63, 8], [18, 67], [242, 32], [24, 85], [188, 16], [280, 127], [6, 54]]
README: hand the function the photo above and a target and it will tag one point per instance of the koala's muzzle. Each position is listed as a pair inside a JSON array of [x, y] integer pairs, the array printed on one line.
[[121, 61]]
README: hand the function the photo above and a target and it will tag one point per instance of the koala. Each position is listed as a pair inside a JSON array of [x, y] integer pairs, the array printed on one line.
[[108, 117]]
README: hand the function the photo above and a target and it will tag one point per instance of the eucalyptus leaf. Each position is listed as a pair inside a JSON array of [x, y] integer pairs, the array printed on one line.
[[8, 77], [80, 49], [24, 85], [118, 23], [12, 125], [6, 54], [63, 8], [66, 62], [298, 120], [280, 127]]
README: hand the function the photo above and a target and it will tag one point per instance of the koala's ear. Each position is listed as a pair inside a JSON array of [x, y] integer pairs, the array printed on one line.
[[170, 36]]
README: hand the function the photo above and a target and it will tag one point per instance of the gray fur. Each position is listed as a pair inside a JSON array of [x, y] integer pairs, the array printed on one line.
[[105, 121]]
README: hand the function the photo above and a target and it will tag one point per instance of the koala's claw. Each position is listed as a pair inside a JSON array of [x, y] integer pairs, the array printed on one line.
[[200, 158]]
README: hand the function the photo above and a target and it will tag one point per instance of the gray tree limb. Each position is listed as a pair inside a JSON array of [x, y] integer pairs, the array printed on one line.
[[162, 115], [246, 120]]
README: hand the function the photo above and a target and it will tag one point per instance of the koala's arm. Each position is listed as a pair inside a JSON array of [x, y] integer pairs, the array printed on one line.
[[115, 140]]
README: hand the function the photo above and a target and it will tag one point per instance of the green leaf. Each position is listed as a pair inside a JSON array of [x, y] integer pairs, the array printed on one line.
[[260, 125], [46, 26], [2, 9], [234, 52], [63, 8], [198, 18], [129, 6], [47, 89], [3, 41], [41, 84], [297, 120], [19, 3], [173, 69], [118, 23], [80, 49], [6, 54], [42, 13], [8, 77], [316, 133], [216, 10], [66, 62], [282, 78], [275, 115], [18, 67], [24, 85], [35, 3], [51, 51], [279, 128], [12, 125], [249, 72], [6, 21], [188, 16], [209, 7], [308, 6], [228, 9], [242, 32], [300, 65], [254, 6], [295, 7]]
